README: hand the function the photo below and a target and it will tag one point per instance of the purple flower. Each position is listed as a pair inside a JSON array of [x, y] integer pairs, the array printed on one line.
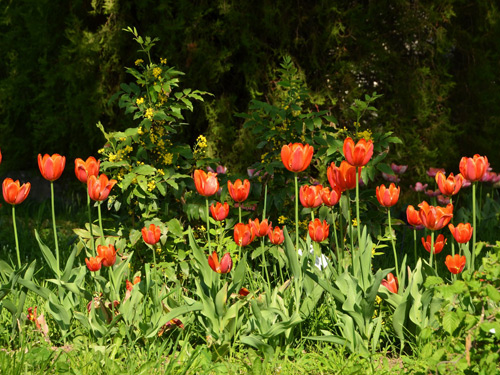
[[398, 169], [432, 172], [390, 177], [419, 187]]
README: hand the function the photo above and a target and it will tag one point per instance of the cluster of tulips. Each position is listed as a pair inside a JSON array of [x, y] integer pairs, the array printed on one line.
[[296, 158]]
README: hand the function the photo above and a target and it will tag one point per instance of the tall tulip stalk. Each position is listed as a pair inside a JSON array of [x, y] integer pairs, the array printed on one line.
[[207, 185], [51, 168], [99, 189]]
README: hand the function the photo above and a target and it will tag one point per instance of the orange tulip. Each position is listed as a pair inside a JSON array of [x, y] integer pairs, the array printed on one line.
[[94, 264], [239, 191], [473, 168], [455, 263], [107, 254], [435, 218], [330, 198], [152, 234], [206, 183], [296, 157], [244, 292], [462, 232], [344, 176], [451, 185], [276, 236], [391, 283], [387, 197], [318, 231], [129, 286], [99, 187], [51, 167], [13, 192], [260, 229], [219, 211], [359, 154], [0, 156], [310, 196], [243, 234], [413, 217], [438, 243], [84, 169], [225, 264]]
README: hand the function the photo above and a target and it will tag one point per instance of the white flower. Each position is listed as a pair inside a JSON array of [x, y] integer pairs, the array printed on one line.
[[493, 331], [320, 262]]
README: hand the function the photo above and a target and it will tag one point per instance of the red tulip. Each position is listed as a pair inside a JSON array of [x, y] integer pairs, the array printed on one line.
[[206, 183], [51, 167], [84, 169], [438, 243], [244, 292], [359, 154], [344, 176], [219, 211], [13, 192], [451, 185], [93, 264], [0, 156], [387, 197], [296, 157], [276, 236], [391, 283], [243, 234], [129, 286], [318, 231], [99, 187], [455, 263], [473, 168], [107, 254], [310, 196], [239, 191], [435, 218], [330, 198], [260, 229], [225, 264], [462, 232], [152, 234], [413, 217]]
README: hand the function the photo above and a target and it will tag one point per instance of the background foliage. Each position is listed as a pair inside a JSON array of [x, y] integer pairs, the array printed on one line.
[[436, 66]]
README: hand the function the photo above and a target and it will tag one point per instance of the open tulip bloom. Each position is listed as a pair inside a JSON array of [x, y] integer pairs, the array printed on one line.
[[219, 211], [391, 283], [358, 154], [455, 263], [310, 196], [225, 265], [151, 235], [451, 185], [437, 246]]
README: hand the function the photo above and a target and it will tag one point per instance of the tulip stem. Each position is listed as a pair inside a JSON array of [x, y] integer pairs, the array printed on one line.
[[239, 212], [432, 247], [90, 226], [265, 202], [474, 230], [341, 228], [334, 219], [392, 243], [15, 235], [264, 262], [208, 227], [100, 222], [296, 212], [415, 244], [354, 264], [54, 224], [358, 222], [452, 243]]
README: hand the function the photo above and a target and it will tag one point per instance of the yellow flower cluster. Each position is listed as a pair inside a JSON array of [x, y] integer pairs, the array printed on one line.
[[138, 62], [281, 219], [167, 159], [156, 71], [149, 113], [140, 131], [201, 145], [139, 101], [367, 134], [163, 61], [120, 154], [151, 185]]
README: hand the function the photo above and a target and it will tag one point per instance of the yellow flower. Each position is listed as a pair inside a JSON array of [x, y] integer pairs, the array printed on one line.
[[139, 61], [149, 113], [156, 71], [163, 61], [354, 222], [139, 130], [139, 101], [367, 134], [167, 159], [281, 219], [151, 185]]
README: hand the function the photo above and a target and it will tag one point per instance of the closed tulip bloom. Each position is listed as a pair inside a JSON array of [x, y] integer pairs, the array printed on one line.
[[93, 264], [13, 192], [358, 154], [51, 167], [310, 196], [276, 236], [435, 218], [260, 229], [451, 185], [330, 197], [296, 157], [206, 183], [473, 168], [151, 235], [438, 243], [413, 217], [344, 176], [129, 285], [387, 197], [239, 190], [99, 187], [462, 232], [243, 234], [107, 255], [84, 169], [225, 265], [455, 263], [318, 231], [219, 211], [391, 283]]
